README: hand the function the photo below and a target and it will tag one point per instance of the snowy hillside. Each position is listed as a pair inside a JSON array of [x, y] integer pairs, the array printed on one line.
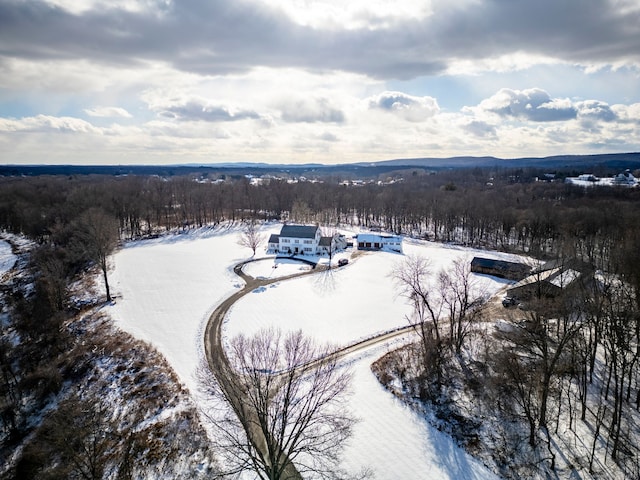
[[7, 259]]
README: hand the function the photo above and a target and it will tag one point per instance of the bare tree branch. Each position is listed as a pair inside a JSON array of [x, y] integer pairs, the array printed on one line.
[[280, 413]]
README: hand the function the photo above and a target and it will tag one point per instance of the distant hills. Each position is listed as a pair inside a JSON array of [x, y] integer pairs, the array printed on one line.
[[608, 161]]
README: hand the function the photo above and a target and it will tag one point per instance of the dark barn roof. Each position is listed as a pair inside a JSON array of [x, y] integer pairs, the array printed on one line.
[[500, 268]]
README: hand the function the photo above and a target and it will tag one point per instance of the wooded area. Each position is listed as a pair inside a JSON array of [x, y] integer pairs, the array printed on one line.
[[584, 350]]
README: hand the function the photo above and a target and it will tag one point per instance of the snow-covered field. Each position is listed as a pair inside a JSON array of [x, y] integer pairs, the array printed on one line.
[[166, 289], [342, 305]]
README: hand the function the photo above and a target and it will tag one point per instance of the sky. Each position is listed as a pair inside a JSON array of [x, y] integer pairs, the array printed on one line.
[[315, 81]]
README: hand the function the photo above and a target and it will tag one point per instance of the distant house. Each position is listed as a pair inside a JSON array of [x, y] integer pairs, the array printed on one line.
[[500, 268], [552, 279], [379, 241], [587, 177], [304, 240], [625, 178]]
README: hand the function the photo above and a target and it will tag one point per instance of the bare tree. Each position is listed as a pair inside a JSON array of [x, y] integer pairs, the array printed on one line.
[[78, 440], [301, 212], [99, 233], [251, 237], [284, 408], [516, 381], [330, 234], [412, 277], [461, 298]]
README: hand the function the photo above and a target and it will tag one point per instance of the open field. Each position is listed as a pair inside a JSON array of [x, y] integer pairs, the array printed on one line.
[[166, 288]]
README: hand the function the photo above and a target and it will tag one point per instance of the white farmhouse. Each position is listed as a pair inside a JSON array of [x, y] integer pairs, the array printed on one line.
[[305, 240], [379, 241], [296, 239]]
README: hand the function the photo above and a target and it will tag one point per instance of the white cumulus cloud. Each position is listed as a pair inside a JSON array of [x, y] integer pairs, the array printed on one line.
[[408, 107], [107, 112]]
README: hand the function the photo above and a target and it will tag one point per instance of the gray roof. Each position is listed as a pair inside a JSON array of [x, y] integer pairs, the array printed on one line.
[[325, 241], [564, 264], [274, 238], [299, 231], [372, 237], [498, 264]]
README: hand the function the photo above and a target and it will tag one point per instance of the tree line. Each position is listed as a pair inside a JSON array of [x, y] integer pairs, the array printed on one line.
[[496, 210], [564, 370]]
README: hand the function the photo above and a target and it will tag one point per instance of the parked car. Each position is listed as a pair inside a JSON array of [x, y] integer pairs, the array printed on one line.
[[342, 262], [509, 302]]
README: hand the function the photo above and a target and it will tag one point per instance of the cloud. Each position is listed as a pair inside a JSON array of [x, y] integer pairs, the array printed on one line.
[[328, 137], [220, 77], [533, 104], [627, 113], [229, 37], [480, 129], [108, 112], [46, 123], [413, 109], [201, 110], [310, 110], [351, 15], [595, 110]]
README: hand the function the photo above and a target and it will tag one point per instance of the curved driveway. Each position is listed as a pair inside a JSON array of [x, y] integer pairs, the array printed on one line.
[[219, 363]]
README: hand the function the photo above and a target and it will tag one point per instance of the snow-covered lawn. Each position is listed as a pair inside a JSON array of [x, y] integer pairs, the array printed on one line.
[[166, 289], [345, 304], [275, 268]]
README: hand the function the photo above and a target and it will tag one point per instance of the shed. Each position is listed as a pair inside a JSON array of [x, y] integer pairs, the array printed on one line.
[[500, 268]]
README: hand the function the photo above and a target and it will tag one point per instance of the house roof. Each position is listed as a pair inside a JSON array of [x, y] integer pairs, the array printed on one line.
[[372, 237], [564, 264], [558, 277], [274, 238], [299, 231], [325, 241], [564, 278]]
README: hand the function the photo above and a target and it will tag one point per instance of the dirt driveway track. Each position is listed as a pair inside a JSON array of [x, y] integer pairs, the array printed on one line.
[[219, 363], [217, 359]]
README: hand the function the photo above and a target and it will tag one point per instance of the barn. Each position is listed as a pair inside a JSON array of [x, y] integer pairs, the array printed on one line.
[[500, 268]]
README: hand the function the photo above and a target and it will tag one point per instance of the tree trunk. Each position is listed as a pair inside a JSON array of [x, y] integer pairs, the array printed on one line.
[[103, 265]]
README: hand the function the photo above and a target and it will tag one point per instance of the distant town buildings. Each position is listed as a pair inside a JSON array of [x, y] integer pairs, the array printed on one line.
[[624, 179]]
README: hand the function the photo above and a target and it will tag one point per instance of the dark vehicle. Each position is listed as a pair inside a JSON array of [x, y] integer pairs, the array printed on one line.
[[509, 302], [342, 262]]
